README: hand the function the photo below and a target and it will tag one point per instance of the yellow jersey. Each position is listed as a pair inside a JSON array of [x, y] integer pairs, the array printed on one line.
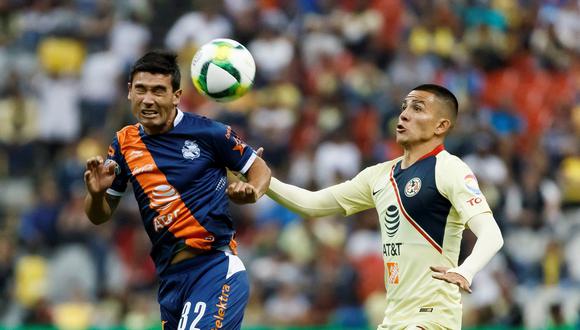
[[422, 212]]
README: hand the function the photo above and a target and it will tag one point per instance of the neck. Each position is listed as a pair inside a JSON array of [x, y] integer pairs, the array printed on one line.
[[411, 154]]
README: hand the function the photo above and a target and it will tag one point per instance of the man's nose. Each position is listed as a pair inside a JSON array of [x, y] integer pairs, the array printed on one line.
[[403, 116], [148, 98]]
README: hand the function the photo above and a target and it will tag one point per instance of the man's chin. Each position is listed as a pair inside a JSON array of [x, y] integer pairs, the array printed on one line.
[[149, 122]]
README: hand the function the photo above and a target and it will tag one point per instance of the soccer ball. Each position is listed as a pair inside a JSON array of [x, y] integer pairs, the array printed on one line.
[[223, 70]]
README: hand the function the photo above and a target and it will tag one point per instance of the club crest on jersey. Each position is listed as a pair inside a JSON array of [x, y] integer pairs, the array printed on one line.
[[190, 150], [412, 187]]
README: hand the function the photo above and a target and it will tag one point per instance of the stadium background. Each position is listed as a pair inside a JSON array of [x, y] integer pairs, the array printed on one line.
[[330, 77]]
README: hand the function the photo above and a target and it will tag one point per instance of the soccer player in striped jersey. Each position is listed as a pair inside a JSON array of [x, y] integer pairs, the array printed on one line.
[[424, 200], [176, 163]]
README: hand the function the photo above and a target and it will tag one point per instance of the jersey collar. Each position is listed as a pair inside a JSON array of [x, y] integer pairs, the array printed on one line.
[[433, 152], [178, 118], [176, 121]]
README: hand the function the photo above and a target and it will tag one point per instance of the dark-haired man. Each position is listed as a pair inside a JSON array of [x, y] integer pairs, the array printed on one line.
[[424, 199], [177, 163]]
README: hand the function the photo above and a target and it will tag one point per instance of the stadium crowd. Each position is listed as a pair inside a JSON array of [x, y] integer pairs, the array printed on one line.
[[324, 105]]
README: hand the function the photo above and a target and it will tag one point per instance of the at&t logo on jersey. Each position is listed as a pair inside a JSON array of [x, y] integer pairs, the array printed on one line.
[[391, 220], [162, 198], [190, 150], [412, 187]]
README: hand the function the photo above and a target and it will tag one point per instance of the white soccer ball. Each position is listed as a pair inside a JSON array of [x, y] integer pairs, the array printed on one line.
[[223, 70]]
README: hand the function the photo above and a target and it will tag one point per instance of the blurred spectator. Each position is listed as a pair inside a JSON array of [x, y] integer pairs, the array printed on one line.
[[18, 130], [567, 25], [129, 38], [408, 71], [271, 49], [434, 34], [487, 45], [551, 52], [7, 263], [358, 25], [570, 177], [535, 202], [195, 28], [553, 266], [38, 224], [328, 171], [491, 171], [101, 86], [58, 110], [288, 306]]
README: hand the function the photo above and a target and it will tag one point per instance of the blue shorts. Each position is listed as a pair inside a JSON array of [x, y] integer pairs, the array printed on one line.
[[209, 291]]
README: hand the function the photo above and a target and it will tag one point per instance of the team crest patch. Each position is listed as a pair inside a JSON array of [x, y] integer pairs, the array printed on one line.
[[412, 187], [190, 150]]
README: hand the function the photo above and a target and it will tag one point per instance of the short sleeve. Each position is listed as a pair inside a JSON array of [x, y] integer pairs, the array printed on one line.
[[459, 185], [355, 195], [119, 184], [231, 150]]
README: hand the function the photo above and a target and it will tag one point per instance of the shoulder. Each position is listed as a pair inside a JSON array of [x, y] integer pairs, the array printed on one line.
[[384, 165], [200, 123], [449, 161], [450, 170], [379, 169], [127, 133], [196, 119]]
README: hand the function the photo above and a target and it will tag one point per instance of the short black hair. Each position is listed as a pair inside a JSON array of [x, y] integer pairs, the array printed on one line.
[[158, 61], [443, 94]]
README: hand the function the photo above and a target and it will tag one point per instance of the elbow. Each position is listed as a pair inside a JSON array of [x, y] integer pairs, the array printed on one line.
[[97, 220], [497, 238], [268, 175], [500, 242]]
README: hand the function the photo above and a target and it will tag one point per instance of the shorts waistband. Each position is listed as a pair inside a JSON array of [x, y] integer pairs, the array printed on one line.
[[194, 260]]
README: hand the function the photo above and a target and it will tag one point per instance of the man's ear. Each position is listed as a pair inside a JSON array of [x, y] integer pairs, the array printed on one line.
[[129, 90], [177, 96], [443, 126]]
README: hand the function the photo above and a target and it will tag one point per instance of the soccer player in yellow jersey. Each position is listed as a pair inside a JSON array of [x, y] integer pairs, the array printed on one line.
[[424, 199]]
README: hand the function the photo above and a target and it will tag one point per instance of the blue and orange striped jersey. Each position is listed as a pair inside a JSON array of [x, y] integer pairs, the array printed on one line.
[[179, 179]]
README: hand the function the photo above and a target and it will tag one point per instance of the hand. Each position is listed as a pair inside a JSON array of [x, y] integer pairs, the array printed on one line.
[[242, 192], [450, 277], [260, 152], [98, 176]]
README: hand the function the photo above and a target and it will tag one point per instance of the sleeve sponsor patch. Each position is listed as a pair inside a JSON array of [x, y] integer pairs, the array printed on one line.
[[471, 184]]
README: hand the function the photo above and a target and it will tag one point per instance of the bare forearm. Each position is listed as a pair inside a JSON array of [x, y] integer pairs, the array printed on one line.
[[97, 209], [259, 176]]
